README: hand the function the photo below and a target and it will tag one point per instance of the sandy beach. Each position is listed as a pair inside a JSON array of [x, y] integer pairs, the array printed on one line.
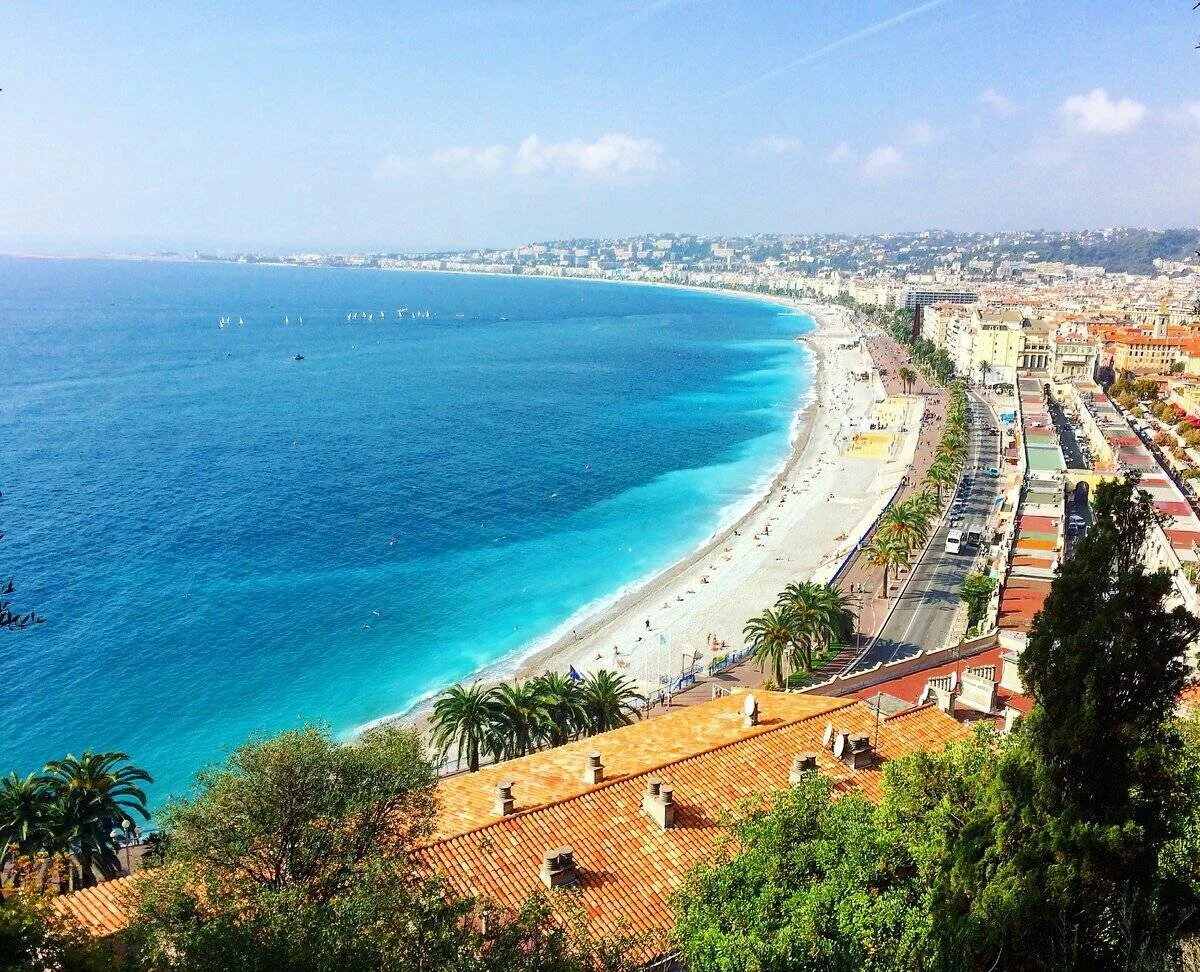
[[814, 513]]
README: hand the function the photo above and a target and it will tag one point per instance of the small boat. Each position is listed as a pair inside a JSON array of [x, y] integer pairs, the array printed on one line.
[[298, 357], [285, 320], [240, 322], [302, 319]]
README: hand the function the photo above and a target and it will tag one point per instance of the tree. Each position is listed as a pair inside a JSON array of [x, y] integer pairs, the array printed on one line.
[[25, 804], [976, 592], [908, 378], [33, 938], [296, 854], [1072, 842], [811, 883], [1084, 847], [819, 615], [941, 474], [909, 521], [93, 796], [609, 700], [565, 705], [520, 720], [770, 638], [462, 720], [888, 551]]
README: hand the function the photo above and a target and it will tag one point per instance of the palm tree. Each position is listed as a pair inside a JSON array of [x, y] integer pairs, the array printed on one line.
[[838, 616], [820, 615], [462, 718], [610, 700], [801, 604], [940, 475], [886, 550], [908, 377], [520, 720], [24, 814], [927, 502], [564, 703], [909, 522], [94, 796], [770, 637]]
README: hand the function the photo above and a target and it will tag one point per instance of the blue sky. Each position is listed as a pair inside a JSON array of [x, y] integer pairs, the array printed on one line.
[[409, 126]]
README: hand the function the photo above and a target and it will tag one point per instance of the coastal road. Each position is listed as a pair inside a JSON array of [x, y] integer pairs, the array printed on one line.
[[925, 612]]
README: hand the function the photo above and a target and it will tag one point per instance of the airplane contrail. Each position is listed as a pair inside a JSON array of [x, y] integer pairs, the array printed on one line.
[[833, 46]]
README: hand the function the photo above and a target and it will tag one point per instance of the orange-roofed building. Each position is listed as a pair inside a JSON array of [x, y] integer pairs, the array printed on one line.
[[614, 823], [103, 910], [623, 846]]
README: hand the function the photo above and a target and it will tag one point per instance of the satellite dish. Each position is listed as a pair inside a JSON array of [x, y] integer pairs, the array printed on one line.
[[953, 681], [750, 705], [839, 745], [827, 737]]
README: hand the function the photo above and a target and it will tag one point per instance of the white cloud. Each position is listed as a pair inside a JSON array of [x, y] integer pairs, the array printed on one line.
[[885, 162], [842, 152], [919, 134], [1192, 110], [1096, 113], [998, 102], [610, 156], [464, 160], [775, 145]]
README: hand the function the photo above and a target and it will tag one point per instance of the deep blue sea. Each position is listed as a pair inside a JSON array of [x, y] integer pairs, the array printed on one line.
[[224, 539]]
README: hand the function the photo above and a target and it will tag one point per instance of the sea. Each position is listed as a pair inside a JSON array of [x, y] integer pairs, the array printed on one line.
[[330, 508]]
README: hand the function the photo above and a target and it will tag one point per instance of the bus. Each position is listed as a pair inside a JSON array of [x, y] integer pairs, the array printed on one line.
[[954, 541]]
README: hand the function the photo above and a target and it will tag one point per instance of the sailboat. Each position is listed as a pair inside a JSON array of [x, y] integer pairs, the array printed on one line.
[[302, 319], [240, 322], [285, 320]]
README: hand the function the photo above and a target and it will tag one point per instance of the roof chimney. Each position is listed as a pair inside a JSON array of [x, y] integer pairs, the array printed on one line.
[[503, 805], [558, 868], [802, 765], [858, 753], [659, 803], [750, 711], [593, 772]]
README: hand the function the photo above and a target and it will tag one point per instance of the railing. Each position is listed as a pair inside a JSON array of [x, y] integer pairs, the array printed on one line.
[[727, 661]]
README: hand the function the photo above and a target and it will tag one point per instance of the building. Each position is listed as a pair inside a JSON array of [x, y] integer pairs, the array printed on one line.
[[614, 823], [922, 296]]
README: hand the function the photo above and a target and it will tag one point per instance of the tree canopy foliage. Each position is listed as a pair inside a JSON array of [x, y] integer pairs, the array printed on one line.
[[1071, 843], [296, 854]]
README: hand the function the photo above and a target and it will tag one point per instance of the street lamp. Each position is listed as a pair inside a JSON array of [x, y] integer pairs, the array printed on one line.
[[126, 825]]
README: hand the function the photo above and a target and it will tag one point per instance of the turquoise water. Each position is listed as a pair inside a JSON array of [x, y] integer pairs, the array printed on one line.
[[225, 539]]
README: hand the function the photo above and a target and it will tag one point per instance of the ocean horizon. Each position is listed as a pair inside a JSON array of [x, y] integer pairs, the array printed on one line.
[[301, 518]]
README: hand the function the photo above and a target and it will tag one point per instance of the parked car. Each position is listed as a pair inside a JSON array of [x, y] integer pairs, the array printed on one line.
[[993, 472]]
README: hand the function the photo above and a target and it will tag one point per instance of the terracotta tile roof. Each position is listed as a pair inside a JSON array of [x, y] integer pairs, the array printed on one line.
[[1021, 599], [554, 774], [628, 865], [102, 910]]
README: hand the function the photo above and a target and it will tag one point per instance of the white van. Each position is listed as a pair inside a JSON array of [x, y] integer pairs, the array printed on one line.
[[954, 541]]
